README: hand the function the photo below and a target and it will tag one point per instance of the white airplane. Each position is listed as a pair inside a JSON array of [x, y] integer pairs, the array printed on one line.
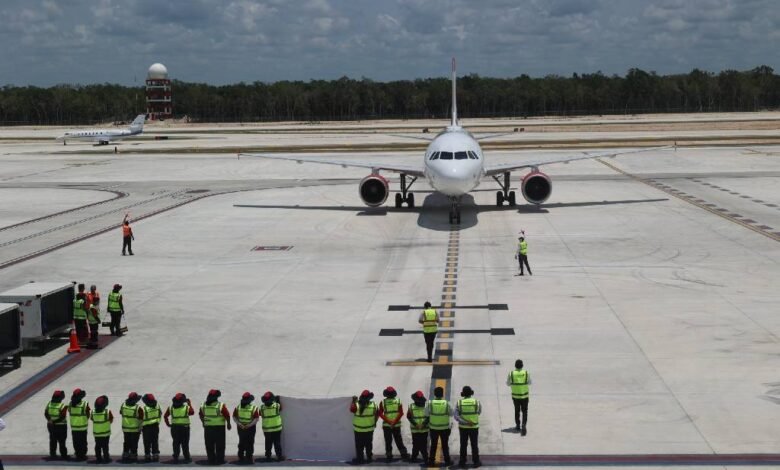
[[454, 165], [104, 136]]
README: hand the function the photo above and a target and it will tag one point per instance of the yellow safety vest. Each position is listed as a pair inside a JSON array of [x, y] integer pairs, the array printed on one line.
[[522, 247], [180, 416], [113, 302], [430, 323], [272, 419], [440, 415], [101, 426], [55, 409], [467, 409], [418, 413], [78, 416], [246, 413], [212, 414], [392, 407], [152, 415], [93, 319], [79, 313], [130, 421], [519, 383], [365, 421]]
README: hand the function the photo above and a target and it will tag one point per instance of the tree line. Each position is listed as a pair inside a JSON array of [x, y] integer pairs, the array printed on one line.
[[349, 99]]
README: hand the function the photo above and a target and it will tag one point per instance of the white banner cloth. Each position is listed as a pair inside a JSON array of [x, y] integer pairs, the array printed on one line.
[[317, 428]]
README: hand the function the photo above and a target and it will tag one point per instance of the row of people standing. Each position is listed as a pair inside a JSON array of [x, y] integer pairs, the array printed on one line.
[[141, 417], [87, 315]]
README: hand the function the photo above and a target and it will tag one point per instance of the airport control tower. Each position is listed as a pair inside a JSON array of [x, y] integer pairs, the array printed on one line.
[[158, 93]]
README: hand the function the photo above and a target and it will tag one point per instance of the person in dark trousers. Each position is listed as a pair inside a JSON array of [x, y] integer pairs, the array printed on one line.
[[93, 318], [80, 315], [467, 414], [132, 419], [519, 380], [116, 308], [127, 236], [522, 254], [390, 412], [57, 423], [429, 320], [151, 428], [101, 428], [418, 420], [177, 417], [364, 422], [79, 410], [214, 415], [271, 412], [439, 412], [246, 416]]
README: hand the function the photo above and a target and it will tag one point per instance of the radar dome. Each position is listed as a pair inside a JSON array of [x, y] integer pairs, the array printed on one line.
[[158, 71]]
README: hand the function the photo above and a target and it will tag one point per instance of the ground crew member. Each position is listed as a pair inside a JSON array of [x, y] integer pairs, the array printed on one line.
[[246, 416], [93, 296], [418, 420], [271, 411], [151, 428], [467, 414], [93, 318], [519, 380], [179, 413], [439, 412], [522, 254], [391, 411], [101, 428], [79, 419], [214, 415], [364, 422], [116, 308], [132, 420], [57, 424], [127, 236], [80, 315], [429, 320]]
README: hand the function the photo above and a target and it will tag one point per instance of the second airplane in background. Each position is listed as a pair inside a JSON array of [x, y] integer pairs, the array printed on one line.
[[453, 165], [104, 136]]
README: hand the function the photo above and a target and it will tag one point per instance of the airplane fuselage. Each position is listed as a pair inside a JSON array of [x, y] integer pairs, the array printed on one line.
[[99, 135], [454, 162]]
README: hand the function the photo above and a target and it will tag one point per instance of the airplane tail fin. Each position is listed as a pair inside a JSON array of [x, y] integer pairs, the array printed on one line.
[[138, 123], [454, 97]]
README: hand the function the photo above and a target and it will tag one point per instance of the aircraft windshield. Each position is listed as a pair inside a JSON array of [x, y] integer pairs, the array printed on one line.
[[461, 156], [434, 156], [445, 156]]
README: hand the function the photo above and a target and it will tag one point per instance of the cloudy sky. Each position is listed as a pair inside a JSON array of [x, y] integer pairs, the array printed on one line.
[[47, 42]]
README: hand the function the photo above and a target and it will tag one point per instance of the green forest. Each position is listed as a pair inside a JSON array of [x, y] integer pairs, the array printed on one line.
[[349, 99]]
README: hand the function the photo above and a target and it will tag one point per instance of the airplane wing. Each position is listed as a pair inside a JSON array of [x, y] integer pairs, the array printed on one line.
[[406, 169], [482, 137], [504, 167]]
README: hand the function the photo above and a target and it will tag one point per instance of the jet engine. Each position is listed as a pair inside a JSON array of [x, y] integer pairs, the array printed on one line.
[[536, 187], [374, 190]]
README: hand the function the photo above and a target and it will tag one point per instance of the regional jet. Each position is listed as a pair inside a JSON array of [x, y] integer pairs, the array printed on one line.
[[454, 165], [104, 136]]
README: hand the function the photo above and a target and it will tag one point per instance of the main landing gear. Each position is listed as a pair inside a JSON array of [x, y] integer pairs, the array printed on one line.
[[505, 194], [405, 196], [455, 211]]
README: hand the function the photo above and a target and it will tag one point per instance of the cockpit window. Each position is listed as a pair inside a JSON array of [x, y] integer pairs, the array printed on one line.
[[445, 156], [473, 155], [461, 156], [434, 156]]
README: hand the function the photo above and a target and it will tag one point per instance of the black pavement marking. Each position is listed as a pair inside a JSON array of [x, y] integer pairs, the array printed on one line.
[[405, 308], [391, 332], [492, 331], [441, 372]]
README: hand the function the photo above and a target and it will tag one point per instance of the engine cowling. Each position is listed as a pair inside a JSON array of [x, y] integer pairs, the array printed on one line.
[[374, 190], [536, 187]]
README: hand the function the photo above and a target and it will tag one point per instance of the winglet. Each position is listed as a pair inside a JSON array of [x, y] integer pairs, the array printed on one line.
[[454, 122]]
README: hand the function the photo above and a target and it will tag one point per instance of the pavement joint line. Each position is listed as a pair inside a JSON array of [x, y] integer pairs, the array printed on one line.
[[712, 208]]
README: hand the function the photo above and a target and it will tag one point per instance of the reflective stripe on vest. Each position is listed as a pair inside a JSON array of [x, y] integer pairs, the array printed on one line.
[[101, 426], [440, 415], [272, 419], [418, 413], [365, 421], [55, 410], [152, 415], [78, 310], [246, 413], [181, 415], [467, 409], [130, 421], [212, 414], [522, 247], [113, 302], [391, 406], [93, 318], [430, 325], [519, 381], [78, 416]]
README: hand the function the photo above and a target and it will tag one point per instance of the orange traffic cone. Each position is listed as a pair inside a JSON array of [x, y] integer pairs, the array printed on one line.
[[74, 342]]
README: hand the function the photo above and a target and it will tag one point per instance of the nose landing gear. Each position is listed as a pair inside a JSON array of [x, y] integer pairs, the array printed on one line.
[[505, 194], [405, 196]]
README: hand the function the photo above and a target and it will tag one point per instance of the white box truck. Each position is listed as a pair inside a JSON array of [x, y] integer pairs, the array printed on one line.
[[10, 335], [46, 309]]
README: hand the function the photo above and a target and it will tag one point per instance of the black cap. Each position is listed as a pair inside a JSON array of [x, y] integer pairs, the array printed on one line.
[[519, 364], [466, 392], [438, 392]]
